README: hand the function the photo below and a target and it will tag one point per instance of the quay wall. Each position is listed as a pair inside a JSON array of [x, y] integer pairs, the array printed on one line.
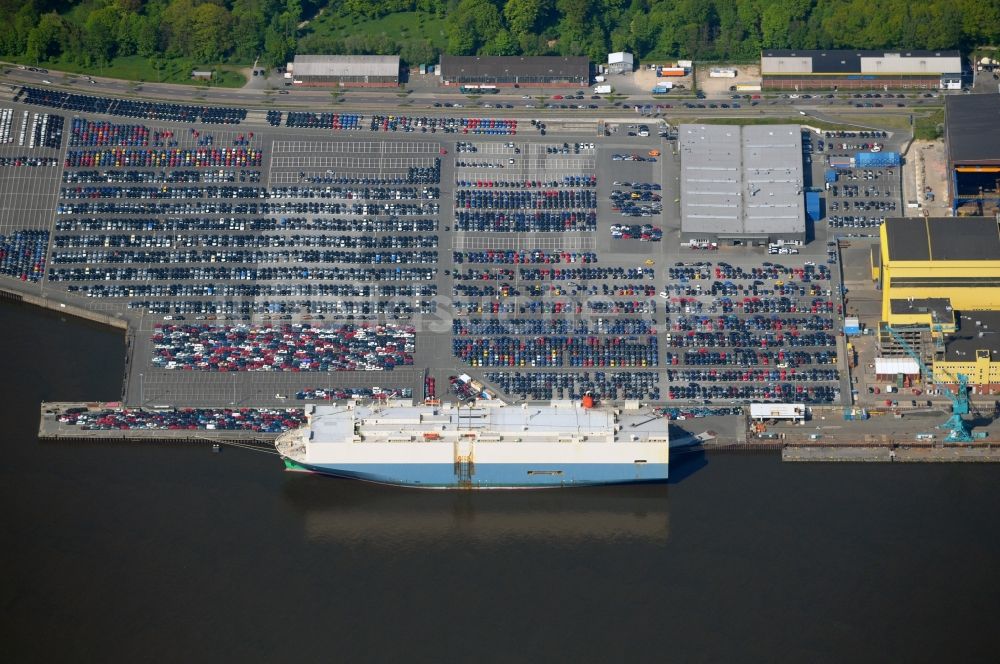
[[9, 295], [49, 428], [972, 453]]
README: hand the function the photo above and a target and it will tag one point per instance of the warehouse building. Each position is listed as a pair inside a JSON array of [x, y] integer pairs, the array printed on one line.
[[973, 143], [741, 185], [940, 281], [857, 70], [515, 71], [928, 268], [973, 351], [620, 63], [362, 71]]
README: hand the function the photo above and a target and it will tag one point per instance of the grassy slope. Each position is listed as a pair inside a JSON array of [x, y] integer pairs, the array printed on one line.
[[926, 127], [138, 68], [400, 27]]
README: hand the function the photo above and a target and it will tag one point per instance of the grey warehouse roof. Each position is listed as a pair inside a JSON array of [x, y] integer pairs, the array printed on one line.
[[972, 123], [837, 61], [551, 66], [346, 65], [943, 239], [741, 181]]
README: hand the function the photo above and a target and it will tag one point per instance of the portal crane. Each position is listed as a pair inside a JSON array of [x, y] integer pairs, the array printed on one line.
[[959, 431]]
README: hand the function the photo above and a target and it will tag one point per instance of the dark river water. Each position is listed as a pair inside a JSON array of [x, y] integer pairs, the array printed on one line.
[[169, 553]]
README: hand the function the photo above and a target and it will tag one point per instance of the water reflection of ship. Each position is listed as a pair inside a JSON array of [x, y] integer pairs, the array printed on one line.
[[341, 510]]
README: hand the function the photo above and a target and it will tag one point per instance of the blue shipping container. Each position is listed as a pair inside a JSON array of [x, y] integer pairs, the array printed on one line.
[[830, 175], [812, 205], [877, 159]]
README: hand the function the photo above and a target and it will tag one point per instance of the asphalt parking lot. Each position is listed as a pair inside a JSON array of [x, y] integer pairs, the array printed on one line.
[[860, 197], [542, 265]]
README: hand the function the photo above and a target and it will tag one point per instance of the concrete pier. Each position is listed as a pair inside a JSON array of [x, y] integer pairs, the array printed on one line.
[[11, 295], [50, 428], [903, 454]]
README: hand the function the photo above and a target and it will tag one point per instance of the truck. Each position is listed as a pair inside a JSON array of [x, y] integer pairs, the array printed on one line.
[[662, 88], [746, 87], [602, 89]]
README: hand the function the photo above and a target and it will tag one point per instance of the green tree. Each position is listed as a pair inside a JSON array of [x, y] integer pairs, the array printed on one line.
[[45, 39], [249, 23], [14, 39], [210, 27], [418, 51], [178, 27], [277, 47], [980, 21], [471, 25], [502, 44], [100, 34], [146, 36], [524, 16]]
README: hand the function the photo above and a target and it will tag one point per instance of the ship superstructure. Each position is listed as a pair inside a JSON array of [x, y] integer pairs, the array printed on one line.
[[562, 443]]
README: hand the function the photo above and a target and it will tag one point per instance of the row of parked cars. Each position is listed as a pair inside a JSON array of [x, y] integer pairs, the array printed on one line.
[[760, 393], [254, 241], [757, 322], [286, 309], [344, 393], [557, 351], [243, 290], [566, 181], [239, 157], [211, 206], [257, 420], [511, 256], [24, 160], [130, 108], [750, 357], [387, 224], [172, 176], [535, 326], [312, 256], [536, 199], [525, 222], [644, 233], [108, 272], [547, 385], [23, 253], [285, 347]]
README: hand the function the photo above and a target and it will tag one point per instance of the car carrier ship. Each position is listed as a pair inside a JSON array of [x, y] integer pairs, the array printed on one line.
[[480, 446]]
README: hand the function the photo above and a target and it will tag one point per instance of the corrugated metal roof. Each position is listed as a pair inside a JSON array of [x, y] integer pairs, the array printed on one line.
[[620, 58], [454, 67], [741, 180], [971, 128], [840, 61], [943, 239], [346, 65]]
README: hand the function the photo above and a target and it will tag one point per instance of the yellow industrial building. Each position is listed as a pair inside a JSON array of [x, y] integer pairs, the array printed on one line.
[[929, 267], [940, 282]]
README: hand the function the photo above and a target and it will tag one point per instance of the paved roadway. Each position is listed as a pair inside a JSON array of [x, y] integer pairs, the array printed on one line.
[[422, 98]]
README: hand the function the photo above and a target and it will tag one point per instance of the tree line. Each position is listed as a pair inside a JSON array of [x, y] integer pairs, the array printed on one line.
[[238, 31]]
